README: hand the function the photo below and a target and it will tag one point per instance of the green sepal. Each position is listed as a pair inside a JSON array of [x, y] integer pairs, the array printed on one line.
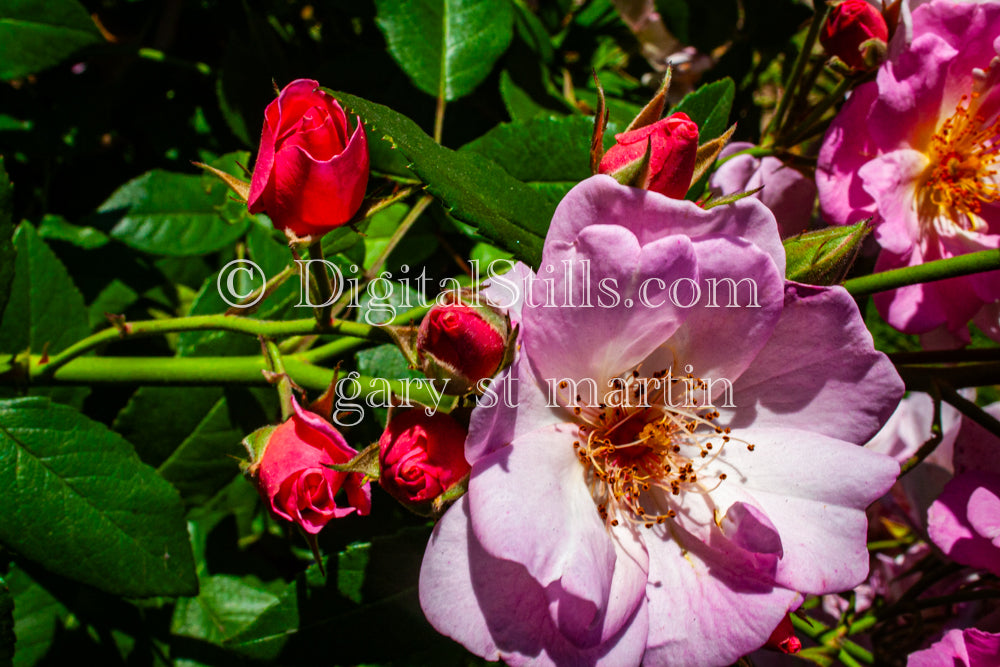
[[729, 199], [255, 444], [825, 256], [365, 462], [636, 173]]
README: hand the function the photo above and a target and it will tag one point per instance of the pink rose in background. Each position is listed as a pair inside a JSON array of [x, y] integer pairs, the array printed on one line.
[[421, 456], [311, 171], [964, 521], [607, 523], [918, 149], [673, 145], [294, 477], [789, 194], [960, 648]]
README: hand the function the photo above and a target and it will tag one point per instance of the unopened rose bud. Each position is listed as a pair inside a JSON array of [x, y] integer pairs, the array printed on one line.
[[783, 638], [421, 457], [673, 149], [462, 343], [850, 25], [311, 170], [290, 466]]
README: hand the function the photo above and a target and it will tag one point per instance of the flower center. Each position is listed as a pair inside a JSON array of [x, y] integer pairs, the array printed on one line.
[[641, 458], [962, 173]]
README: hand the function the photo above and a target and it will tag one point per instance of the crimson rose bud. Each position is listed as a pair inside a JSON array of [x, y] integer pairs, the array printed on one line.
[[421, 457], [850, 24], [462, 343], [783, 638], [673, 148], [311, 171], [293, 476]]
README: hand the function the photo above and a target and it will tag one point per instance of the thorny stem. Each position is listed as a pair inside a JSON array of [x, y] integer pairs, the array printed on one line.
[[230, 323], [279, 377], [320, 283]]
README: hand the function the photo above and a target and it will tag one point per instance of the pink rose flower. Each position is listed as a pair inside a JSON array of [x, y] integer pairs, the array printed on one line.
[[311, 171], [918, 149], [294, 477], [787, 192], [604, 531], [960, 648], [850, 24], [421, 456], [674, 147]]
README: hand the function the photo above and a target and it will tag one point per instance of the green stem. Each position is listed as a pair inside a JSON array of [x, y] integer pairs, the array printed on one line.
[[279, 377], [940, 269], [925, 378], [161, 57], [775, 125], [931, 444], [971, 410], [214, 371], [230, 323], [945, 356], [320, 283], [817, 113], [439, 117], [345, 344], [398, 235]]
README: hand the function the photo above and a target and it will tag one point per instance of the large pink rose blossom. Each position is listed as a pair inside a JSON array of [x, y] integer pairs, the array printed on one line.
[[599, 530], [919, 149]]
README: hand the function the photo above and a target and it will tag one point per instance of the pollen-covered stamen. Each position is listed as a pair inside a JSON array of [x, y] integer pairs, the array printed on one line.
[[962, 174], [641, 460]]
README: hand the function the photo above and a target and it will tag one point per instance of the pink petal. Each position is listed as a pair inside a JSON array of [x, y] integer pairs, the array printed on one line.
[[567, 340], [702, 610], [595, 585], [846, 147], [814, 490], [720, 341], [892, 181], [954, 520], [496, 610], [819, 371]]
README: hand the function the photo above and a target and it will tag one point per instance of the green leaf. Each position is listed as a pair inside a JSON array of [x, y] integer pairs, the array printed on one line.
[[8, 253], [224, 606], [58, 228], [45, 308], [385, 361], [368, 585], [178, 215], [6, 626], [37, 615], [36, 34], [477, 191], [446, 47], [709, 107], [207, 459], [81, 504], [549, 154], [824, 257]]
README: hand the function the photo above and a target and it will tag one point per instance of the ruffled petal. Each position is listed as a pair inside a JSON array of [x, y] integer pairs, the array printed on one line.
[[704, 611], [846, 147], [495, 609], [819, 371], [814, 490], [530, 504]]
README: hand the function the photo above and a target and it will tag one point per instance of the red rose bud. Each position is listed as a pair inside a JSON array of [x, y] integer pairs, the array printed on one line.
[[290, 464], [783, 638], [421, 457], [311, 171], [673, 144], [462, 344], [850, 24]]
